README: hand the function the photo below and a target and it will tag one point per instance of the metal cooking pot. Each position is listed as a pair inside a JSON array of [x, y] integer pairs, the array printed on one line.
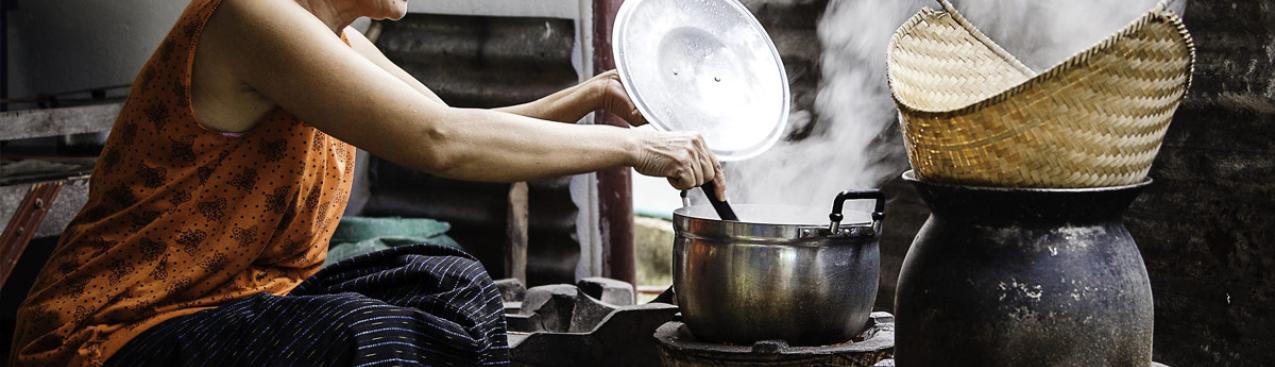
[[785, 274]]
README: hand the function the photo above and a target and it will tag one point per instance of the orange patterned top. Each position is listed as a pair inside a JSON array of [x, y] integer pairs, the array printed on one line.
[[181, 218]]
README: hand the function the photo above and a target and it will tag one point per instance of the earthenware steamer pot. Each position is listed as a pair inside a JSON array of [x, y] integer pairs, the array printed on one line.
[[784, 273], [1023, 277]]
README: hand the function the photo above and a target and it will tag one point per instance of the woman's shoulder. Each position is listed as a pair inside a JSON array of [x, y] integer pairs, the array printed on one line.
[[265, 29], [264, 17]]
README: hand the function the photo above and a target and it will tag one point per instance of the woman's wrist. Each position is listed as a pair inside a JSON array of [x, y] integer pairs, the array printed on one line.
[[575, 103], [635, 142], [593, 93]]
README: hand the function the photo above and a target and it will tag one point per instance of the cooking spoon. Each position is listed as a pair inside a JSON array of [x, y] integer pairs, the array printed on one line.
[[722, 207], [724, 211]]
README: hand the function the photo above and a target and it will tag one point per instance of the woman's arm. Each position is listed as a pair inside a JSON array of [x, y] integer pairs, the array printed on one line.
[[294, 60], [365, 48], [601, 93]]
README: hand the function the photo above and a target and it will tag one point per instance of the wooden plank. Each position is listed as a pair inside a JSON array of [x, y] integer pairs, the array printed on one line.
[[516, 251], [22, 227], [615, 187], [27, 124], [71, 198]]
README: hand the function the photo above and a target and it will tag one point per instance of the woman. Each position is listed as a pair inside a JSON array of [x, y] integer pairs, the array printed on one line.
[[212, 203]]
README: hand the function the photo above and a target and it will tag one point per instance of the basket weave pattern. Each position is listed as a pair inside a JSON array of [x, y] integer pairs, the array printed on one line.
[[974, 115]]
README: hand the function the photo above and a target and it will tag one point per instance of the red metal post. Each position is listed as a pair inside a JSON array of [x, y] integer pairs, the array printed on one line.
[[615, 187]]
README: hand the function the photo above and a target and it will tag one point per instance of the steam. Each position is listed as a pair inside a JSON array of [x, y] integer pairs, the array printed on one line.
[[1043, 33], [856, 143]]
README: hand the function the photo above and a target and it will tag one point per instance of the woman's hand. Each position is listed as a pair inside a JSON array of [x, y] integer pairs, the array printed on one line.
[[683, 158], [610, 96]]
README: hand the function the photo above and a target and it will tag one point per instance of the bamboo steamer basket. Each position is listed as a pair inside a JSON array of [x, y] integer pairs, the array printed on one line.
[[972, 114]]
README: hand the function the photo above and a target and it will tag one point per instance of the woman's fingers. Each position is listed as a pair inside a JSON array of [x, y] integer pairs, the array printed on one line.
[[680, 183], [720, 185], [702, 165], [687, 171], [622, 106], [615, 100], [681, 157], [718, 177], [707, 162]]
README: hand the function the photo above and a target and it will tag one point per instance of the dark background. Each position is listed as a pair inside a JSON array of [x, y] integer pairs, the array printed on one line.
[[1206, 228]]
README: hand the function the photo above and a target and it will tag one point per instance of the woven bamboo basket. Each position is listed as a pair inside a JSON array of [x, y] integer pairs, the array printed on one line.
[[972, 114]]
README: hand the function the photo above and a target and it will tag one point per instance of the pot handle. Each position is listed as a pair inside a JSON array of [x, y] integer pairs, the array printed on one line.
[[878, 213]]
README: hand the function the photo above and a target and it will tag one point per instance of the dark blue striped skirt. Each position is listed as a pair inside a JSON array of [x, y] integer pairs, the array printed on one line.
[[411, 305]]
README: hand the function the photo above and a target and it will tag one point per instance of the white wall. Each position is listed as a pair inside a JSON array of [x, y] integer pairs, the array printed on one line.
[[63, 45]]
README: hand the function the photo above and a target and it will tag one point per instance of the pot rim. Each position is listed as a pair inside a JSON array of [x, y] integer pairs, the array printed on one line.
[[770, 233], [910, 176]]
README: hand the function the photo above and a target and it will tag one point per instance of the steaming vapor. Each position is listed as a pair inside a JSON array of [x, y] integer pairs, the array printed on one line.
[[1043, 33], [858, 144]]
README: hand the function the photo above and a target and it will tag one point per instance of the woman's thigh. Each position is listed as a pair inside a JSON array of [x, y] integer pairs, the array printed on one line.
[[261, 330], [403, 306], [453, 293]]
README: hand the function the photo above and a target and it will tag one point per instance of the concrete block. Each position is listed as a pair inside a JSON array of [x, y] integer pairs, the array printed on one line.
[[607, 290]]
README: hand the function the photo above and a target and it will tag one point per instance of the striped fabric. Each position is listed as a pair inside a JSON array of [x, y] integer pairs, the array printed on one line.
[[406, 306]]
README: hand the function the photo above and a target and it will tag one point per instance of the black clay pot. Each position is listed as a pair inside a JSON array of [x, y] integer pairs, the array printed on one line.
[[1023, 277]]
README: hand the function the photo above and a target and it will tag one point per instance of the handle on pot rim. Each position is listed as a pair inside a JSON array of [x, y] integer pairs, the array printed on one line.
[[878, 213]]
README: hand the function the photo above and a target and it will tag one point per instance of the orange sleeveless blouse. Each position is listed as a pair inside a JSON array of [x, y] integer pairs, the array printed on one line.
[[180, 218]]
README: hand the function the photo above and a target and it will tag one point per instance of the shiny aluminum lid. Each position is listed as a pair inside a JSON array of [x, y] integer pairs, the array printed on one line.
[[703, 66]]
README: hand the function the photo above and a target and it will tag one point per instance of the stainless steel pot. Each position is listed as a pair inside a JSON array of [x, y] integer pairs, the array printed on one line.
[[783, 274]]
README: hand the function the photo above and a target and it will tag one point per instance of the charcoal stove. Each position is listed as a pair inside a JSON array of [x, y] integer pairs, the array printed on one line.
[[890, 363], [592, 323], [679, 348], [595, 323]]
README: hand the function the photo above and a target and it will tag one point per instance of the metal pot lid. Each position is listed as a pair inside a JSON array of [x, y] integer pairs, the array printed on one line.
[[703, 66]]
